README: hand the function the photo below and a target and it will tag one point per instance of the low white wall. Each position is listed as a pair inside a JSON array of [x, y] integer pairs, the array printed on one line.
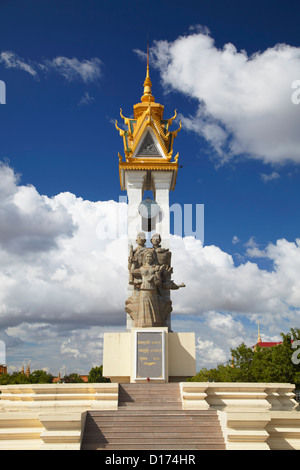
[[50, 416], [253, 416]]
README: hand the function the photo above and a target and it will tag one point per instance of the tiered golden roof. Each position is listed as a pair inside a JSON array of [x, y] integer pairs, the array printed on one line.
[[147, 139]]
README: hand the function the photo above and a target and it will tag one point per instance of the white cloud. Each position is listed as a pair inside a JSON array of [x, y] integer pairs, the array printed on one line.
[[253, 250], [74, 69], [86, 99], [68, 349], [210, 353], [86, 70], [218, 333], [28, 222], [214, 283], [53, 265], [244, 102], [12, 60], [269, 177]]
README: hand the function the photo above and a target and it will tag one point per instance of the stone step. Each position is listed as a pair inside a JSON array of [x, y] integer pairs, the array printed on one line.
[[151, 389], [136, 397], [154, 437], [139, 431], [150, 396], [151, 399], [161, 412], [136, 388], [150, 386], [150, 417], [141, 396], [168, 447], [166, 443], [151, 406], [136, 422], [166, 425], [156, 416]]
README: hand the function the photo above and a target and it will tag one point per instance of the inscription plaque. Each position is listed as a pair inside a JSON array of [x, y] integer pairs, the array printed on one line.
[[150, 355]]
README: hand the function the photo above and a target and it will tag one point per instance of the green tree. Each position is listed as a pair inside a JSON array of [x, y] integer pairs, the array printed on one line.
[[40, 377], [274, 364], [222, 373], [73, 378], [19, 378], [96, 375], [4, 379], [241, 366], [277, 364]]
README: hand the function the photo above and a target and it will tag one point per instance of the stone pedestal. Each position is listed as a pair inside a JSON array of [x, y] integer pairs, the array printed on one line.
[[149, 354]]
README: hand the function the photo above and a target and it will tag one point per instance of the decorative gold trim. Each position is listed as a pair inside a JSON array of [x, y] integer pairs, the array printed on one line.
[[172, 118], [126, 120], [148, 166], [121, 131], [149, 123]]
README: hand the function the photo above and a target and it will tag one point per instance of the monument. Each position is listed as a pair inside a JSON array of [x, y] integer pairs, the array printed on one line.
[[150, 273], [149, 349]]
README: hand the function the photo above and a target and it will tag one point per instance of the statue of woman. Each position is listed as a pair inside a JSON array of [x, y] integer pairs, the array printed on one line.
[[148, 304], [162, 255], [135, 259]]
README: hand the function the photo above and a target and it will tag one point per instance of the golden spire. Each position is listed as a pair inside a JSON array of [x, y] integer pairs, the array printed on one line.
[[147, 96], [259, 338], [147, 118]]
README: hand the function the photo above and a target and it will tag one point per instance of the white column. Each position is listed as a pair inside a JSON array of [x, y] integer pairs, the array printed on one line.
[[161, 184], [134, 183]]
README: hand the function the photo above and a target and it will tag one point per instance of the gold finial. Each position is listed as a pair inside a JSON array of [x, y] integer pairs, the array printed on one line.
[[147, 75], [121, 131], [259, 338], [126, 120], [147, 96], [172, 118]]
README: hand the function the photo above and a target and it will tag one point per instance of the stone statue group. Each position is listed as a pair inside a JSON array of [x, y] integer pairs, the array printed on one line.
[[150, 274]]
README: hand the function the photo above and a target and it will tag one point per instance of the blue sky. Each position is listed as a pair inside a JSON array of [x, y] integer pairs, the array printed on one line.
[[68, 68]]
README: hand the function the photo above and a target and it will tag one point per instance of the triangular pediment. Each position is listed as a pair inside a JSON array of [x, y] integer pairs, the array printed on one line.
[[149, 147]]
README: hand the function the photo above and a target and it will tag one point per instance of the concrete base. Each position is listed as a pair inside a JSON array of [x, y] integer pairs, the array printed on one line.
[[120, 356]]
